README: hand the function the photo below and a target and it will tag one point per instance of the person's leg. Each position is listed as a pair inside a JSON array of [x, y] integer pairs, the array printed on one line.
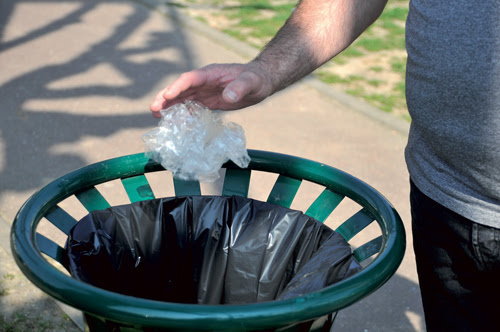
[[458, 265]]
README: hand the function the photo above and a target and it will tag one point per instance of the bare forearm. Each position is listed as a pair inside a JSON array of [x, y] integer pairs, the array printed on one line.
[[317, 31]]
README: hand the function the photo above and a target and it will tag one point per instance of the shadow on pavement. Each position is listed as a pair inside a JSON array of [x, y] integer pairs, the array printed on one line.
[[31, 130]]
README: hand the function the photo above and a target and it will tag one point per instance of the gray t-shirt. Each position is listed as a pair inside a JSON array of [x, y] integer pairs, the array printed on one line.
[[453, 95]]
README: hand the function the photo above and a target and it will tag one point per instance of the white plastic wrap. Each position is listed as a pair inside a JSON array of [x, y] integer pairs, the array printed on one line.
[[193, 142]]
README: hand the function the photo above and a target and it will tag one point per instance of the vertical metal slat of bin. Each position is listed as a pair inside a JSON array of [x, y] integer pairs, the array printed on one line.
[[138, 188], [92, 199], [324, 205], [186, 188], [284, 191], [61, 219], [355, 224], [236, 182], [368, 249], [49, 247]]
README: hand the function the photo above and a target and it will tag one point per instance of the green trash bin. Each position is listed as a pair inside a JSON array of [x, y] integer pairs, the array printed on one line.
[[105, 310]]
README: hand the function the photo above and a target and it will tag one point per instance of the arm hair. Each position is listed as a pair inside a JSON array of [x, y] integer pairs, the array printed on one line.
[[317, 31]]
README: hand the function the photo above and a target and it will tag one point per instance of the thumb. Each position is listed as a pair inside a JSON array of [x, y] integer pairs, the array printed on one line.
[[230, 96], [244, 84]]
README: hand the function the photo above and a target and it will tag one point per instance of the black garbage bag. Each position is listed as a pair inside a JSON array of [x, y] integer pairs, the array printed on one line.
[[207, 250]]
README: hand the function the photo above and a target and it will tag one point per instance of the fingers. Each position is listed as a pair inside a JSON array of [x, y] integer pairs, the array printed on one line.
[[217, 86], [178, 90], [158, 102], [245, 84], [186, 82]]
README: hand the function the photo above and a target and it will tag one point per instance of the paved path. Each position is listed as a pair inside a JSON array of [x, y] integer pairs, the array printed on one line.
[[76, 79]]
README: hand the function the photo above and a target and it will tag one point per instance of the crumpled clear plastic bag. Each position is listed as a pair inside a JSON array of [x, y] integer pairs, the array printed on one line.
[[193, 142]]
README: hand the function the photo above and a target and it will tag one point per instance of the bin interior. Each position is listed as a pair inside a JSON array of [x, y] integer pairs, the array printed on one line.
[[207, 250]]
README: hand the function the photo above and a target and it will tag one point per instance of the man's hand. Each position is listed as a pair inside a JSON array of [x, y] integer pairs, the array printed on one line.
[[217, 86]]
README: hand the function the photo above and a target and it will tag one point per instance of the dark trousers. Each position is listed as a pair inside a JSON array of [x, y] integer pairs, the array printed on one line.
[[458, 264]]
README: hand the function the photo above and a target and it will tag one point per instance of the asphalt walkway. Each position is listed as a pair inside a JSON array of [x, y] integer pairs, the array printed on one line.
[[76, 79]]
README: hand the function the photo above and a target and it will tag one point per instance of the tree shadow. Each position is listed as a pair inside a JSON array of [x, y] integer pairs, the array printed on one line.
[[29, 135]]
